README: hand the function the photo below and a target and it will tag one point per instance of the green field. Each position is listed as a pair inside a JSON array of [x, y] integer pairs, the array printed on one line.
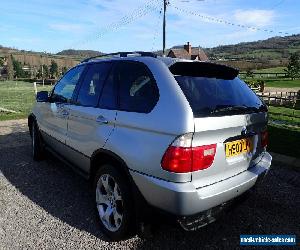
[[276, 82], [19, 97], [284, 140], [282, 83], [286, 115], [271, 70]]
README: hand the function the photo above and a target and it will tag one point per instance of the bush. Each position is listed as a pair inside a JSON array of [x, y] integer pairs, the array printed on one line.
[[256, 84]]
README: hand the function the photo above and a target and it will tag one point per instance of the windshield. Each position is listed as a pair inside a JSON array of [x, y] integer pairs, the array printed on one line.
[[216, 97]]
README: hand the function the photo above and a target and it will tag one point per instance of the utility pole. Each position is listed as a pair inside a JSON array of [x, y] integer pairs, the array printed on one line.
[[166, 2]]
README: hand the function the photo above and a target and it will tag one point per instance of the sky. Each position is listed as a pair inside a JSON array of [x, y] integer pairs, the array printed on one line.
[[131, 25]]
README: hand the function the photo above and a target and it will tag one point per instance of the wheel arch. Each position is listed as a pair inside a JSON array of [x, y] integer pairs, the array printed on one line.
[[102, 156]]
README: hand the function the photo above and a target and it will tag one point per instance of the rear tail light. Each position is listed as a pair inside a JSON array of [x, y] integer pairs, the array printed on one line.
[[264, 138], [181, 157]]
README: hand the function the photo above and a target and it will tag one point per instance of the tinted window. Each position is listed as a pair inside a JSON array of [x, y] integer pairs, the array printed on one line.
[[137, 89], [92, 85], [63, 90], [108, 99], [213, 96]]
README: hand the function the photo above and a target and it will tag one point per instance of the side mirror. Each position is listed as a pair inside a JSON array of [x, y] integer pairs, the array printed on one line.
[[42, 96]]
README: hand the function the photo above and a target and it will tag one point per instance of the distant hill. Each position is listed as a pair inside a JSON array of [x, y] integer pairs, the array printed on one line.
[[79, 53], [36, 59], [273, 48], [272, 52]]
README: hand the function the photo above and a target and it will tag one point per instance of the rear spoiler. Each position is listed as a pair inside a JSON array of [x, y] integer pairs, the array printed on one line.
[[204, 69]]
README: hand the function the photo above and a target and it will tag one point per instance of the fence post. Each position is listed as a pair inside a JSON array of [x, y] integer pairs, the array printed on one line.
[[35, 88], [297, 103]]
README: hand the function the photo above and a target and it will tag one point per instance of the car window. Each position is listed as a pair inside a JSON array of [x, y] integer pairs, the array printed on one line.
[[208, 95], [138, 91], [64, 89], [92, 84], [108, 99]]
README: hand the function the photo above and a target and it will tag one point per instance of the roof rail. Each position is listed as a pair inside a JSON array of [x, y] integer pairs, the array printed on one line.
[[121, 54]]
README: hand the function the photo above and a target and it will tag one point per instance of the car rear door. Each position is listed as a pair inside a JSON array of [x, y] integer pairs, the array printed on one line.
[[91, 117]]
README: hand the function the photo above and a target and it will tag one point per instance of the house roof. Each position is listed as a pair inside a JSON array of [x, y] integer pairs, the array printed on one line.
[[197, 54]]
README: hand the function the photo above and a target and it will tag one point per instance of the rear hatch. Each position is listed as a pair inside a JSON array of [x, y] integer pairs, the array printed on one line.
[[226, 113]]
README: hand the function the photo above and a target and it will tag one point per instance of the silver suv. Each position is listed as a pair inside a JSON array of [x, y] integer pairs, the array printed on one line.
[[180, 136]]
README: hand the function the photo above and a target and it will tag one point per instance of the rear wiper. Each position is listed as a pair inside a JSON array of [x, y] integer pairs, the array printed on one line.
[[228, 109], [233, 108]]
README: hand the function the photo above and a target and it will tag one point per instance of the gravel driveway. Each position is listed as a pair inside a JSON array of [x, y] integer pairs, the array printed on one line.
[[46, 205]]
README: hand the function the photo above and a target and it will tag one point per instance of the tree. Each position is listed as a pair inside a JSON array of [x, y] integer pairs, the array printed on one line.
[[250, 73], [64, 69], [17, 66], [293, 68], [45, 71], [53, 69], [10, 68]]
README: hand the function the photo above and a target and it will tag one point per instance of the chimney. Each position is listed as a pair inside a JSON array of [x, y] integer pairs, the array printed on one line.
[[188, 48]]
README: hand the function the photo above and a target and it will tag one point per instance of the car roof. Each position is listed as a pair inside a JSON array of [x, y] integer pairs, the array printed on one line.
[[167, 60], [176, 65]]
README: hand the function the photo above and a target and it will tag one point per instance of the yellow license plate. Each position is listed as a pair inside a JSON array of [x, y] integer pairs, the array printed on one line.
[[237, 147]]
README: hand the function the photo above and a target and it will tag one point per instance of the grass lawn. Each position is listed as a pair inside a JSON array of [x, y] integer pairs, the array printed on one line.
[[284, 141], [276, 82], [19, 97], [271, 70], [290, 116], [282, 83]]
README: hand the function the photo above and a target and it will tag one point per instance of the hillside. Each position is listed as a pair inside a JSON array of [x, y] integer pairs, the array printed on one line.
[[272, 52], [79, 53], [35, 59], [275, 48]]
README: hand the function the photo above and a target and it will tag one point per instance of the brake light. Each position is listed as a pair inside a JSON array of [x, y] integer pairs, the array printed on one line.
[[264, 138], [181, 157]]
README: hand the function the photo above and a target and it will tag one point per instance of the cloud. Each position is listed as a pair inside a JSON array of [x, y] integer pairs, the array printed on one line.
[[257, 18]]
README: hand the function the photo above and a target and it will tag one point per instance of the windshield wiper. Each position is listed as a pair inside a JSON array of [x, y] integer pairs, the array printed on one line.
[[225, 109], [228, 109]]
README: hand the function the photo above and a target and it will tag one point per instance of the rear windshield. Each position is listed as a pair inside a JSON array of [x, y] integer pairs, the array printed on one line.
[[210, 96]]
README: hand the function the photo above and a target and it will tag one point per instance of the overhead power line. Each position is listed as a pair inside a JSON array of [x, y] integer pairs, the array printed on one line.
[[157, 28], [151, 5], [219, 20]]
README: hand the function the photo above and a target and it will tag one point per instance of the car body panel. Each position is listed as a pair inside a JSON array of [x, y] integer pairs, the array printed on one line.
[[220, 130], [184, 199], [141, 139]]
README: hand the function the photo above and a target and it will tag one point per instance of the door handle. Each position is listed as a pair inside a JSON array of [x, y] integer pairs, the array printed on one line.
[[101, 119], [64, 113]]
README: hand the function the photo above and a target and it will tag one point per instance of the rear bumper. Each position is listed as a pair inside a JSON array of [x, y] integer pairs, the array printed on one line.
[[184, 199]]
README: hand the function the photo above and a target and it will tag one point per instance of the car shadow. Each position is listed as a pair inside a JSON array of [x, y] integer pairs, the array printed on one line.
[[67, 196]]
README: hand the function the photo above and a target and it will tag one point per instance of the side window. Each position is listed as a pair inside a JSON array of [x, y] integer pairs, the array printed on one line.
[[63, 90], [137, 88], [108, 99], [92, 85]]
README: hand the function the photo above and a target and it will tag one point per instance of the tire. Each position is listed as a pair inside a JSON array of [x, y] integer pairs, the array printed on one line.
[[36, 142], [114, 203]]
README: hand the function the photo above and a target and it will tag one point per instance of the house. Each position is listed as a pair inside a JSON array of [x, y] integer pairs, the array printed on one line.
[[187, 52]]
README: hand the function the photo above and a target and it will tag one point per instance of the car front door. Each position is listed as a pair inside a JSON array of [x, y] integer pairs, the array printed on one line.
[[90, 123], [53, 122]]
